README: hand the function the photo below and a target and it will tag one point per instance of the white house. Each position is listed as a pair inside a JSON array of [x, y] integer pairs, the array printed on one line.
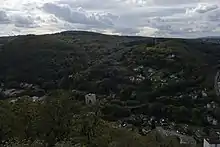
[[171, 56], [211, 142], [204, 94], [139, 68], [35, 98], [215, 122], [208, 106], [90, 99], [13, 101]]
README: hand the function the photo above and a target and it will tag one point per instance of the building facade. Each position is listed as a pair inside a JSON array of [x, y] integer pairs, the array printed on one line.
[[90, 99], [211, 143]]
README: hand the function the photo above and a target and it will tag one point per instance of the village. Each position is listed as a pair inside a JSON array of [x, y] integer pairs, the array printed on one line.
[[30, 91], [188, 135]]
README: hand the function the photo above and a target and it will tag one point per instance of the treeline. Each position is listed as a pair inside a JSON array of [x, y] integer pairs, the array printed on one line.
[[61, 120]]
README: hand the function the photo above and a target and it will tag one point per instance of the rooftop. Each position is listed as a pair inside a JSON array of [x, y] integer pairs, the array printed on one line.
[[213, 140], [214, 137], [184, 139]]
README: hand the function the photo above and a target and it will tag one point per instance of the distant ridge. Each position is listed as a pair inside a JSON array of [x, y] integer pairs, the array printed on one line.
[[211, 37]]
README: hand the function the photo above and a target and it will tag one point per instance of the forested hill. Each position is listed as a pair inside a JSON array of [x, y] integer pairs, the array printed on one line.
[[91, 58], [131, 76], [144, 70]]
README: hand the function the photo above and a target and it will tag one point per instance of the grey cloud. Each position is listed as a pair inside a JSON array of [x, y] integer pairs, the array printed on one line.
[[202, 8], [24, 21], [3, 17], [188, 30], [79, 15], [128, 17], [126, 31], [95, 4], [213, 16], [39, 18], [183, 25], [206, 8], [168, 17], [172, 2], [53, 19], [18, 20]]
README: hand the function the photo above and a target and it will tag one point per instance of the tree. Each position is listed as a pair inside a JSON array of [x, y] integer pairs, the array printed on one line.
[[26, 114], [125, 93], [89, 126], [156, 109], [7, 122], [1, 96], [56, 119], [183, 114], [196, 116], [107, 86], [132, 103], [65, 82], [217, 113], [206, 130], [116, 111]]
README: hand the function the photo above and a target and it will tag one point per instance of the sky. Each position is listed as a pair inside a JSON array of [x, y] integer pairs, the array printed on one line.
[[157, 18]]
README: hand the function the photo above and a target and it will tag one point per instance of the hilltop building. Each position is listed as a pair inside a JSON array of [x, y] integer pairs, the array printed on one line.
[[90, 99]]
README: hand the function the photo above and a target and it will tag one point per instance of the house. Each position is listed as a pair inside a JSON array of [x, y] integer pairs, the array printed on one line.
[[184, 140], [150, 70], [214, 105], [187, 140], [171, 56], [13, 101], [35, 98], [211, 142], [12, 92], [208, 106], [173, 77], [139, 68], [199, 135], [194, 97], [90, 99], [215, 122], [139, 78], [211, 120], [211, 106], [132, 79], [163, 122], [144, 131], [204, 94], [112, 95]]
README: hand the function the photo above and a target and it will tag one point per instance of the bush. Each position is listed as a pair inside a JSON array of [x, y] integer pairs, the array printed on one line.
[[132, 103], [116, 111]]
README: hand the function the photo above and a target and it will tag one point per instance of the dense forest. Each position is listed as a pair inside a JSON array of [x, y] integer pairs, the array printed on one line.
[[165, 78]]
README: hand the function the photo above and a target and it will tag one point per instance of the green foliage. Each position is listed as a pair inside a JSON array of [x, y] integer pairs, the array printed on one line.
[[152, 79], [156, 109], [61, 122], [132, 103], [116, 111], [50, 121]]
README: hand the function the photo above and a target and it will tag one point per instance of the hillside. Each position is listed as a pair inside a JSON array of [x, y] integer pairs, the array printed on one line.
[[130, 75]]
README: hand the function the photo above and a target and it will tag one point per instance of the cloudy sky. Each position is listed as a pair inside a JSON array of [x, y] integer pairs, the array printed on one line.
[[166, 18]]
